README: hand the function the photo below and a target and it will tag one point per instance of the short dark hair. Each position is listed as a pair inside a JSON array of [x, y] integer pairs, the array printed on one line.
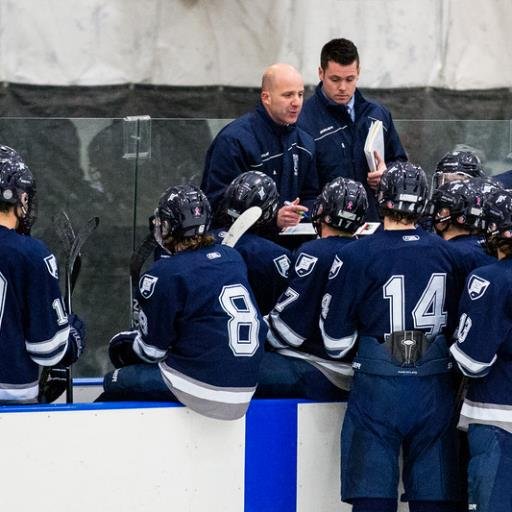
[[340, 50], [5, 207]]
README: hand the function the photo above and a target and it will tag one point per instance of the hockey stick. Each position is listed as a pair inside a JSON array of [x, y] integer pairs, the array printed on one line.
[[241, 225], [71, 276], [73, 245], [64, 230], [67, 236], [74, 257], [139, 256]]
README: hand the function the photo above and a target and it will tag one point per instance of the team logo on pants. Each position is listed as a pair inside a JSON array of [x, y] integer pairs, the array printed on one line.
[[147, 285], [477, 287], [305, 264]]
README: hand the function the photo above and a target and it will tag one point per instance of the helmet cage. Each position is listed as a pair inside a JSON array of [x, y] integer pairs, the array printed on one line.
[[457, 165], [498, 220]]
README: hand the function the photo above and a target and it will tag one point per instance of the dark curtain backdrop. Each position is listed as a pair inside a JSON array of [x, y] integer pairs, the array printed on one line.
[[17, 100]]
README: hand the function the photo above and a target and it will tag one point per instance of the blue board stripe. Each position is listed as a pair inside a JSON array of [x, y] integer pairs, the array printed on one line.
[[85, 406], [271, 456]]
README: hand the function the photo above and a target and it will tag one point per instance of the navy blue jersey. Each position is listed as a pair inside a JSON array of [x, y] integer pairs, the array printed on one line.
[[199, 320], [472, 251], [504, 179], [484, 345], [392, 281], [294, 319], [33, 324], [267, 265]]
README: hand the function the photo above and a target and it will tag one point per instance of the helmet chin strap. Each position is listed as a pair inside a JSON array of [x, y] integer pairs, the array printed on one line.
[[22, 211], [445, 224]]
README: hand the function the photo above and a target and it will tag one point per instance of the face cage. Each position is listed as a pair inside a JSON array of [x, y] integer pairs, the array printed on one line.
[[27, 204], [157, 232], [440, 178]]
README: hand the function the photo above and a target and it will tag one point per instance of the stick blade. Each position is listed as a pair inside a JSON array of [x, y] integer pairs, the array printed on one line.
[[64, 229], [140, 255], [242, 225], [83, 234]]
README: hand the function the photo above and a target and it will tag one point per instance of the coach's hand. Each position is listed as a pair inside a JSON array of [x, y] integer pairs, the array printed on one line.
[[290, 214]]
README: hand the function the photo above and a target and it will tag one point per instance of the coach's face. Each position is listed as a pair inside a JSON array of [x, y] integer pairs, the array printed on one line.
[[283, 96], [339, 82]]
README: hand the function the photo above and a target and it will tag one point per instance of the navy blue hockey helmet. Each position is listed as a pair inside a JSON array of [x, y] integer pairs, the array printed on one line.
[[183, 211], [342, 204], [497, 214], [479, 190], [403, 189], [252, 188], [17, 187], [461, 202], [448, 201], [457, 165]]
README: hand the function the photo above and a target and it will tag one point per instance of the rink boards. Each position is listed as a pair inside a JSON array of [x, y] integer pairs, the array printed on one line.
[[283, 456]]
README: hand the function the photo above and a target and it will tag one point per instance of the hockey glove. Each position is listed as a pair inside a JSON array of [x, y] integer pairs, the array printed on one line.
[[52, 384], [53, 381], [76, 341], [120, 349]]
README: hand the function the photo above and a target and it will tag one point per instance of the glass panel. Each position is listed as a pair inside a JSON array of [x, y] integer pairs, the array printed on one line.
[[426, 142], [79, 167]]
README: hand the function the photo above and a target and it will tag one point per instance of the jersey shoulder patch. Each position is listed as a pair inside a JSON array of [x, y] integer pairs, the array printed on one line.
[[147, 285], [335, 267], [305, 264], [477, 286], [51, 265], [282, 264]]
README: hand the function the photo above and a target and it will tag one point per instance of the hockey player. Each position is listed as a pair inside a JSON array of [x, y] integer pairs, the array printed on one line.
[[456, 165], [456, 208], [34, 328], [200, 335], [267, 262], [302, 365], [395, 300], [484, 353]]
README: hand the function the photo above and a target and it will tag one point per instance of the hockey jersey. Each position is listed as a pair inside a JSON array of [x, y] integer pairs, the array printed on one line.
[[293, 322], [33, 324], [472, 252], [389, 282], [198, 319], [268, 265], [484, 345]]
